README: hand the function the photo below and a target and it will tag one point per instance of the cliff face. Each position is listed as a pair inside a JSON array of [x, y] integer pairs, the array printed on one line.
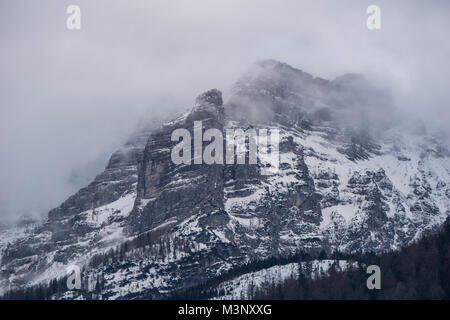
[[169, 192], [348, 179]]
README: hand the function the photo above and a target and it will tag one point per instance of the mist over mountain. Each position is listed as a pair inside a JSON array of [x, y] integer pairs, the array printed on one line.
[[349, 181], [69, 99]]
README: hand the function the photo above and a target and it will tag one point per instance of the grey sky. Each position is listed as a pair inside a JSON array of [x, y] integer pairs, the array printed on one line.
[[68, 98]]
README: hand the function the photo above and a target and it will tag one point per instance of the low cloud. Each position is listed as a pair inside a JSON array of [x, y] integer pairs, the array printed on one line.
[[69, 98]]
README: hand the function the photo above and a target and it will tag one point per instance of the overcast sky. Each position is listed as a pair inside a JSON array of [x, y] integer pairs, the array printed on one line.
[[69, 98]]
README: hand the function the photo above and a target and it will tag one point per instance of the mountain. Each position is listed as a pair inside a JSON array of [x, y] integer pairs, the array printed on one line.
[[419, 271], [355, 175]]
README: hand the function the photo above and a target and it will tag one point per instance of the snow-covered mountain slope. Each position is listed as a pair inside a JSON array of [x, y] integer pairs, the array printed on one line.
[[349, 179], [88, 223], [382, 202], [11, 232], [244, 287]]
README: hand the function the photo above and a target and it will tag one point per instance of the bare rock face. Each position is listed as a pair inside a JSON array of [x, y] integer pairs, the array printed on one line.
[[348, 180], [178, 192]]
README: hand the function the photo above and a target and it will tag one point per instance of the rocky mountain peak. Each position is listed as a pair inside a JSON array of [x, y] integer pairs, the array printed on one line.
[[210, 97], [276, 67], [208, 105], [272, 74]]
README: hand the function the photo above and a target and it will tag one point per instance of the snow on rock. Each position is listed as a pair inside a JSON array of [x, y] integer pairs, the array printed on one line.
[[245, 286]]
